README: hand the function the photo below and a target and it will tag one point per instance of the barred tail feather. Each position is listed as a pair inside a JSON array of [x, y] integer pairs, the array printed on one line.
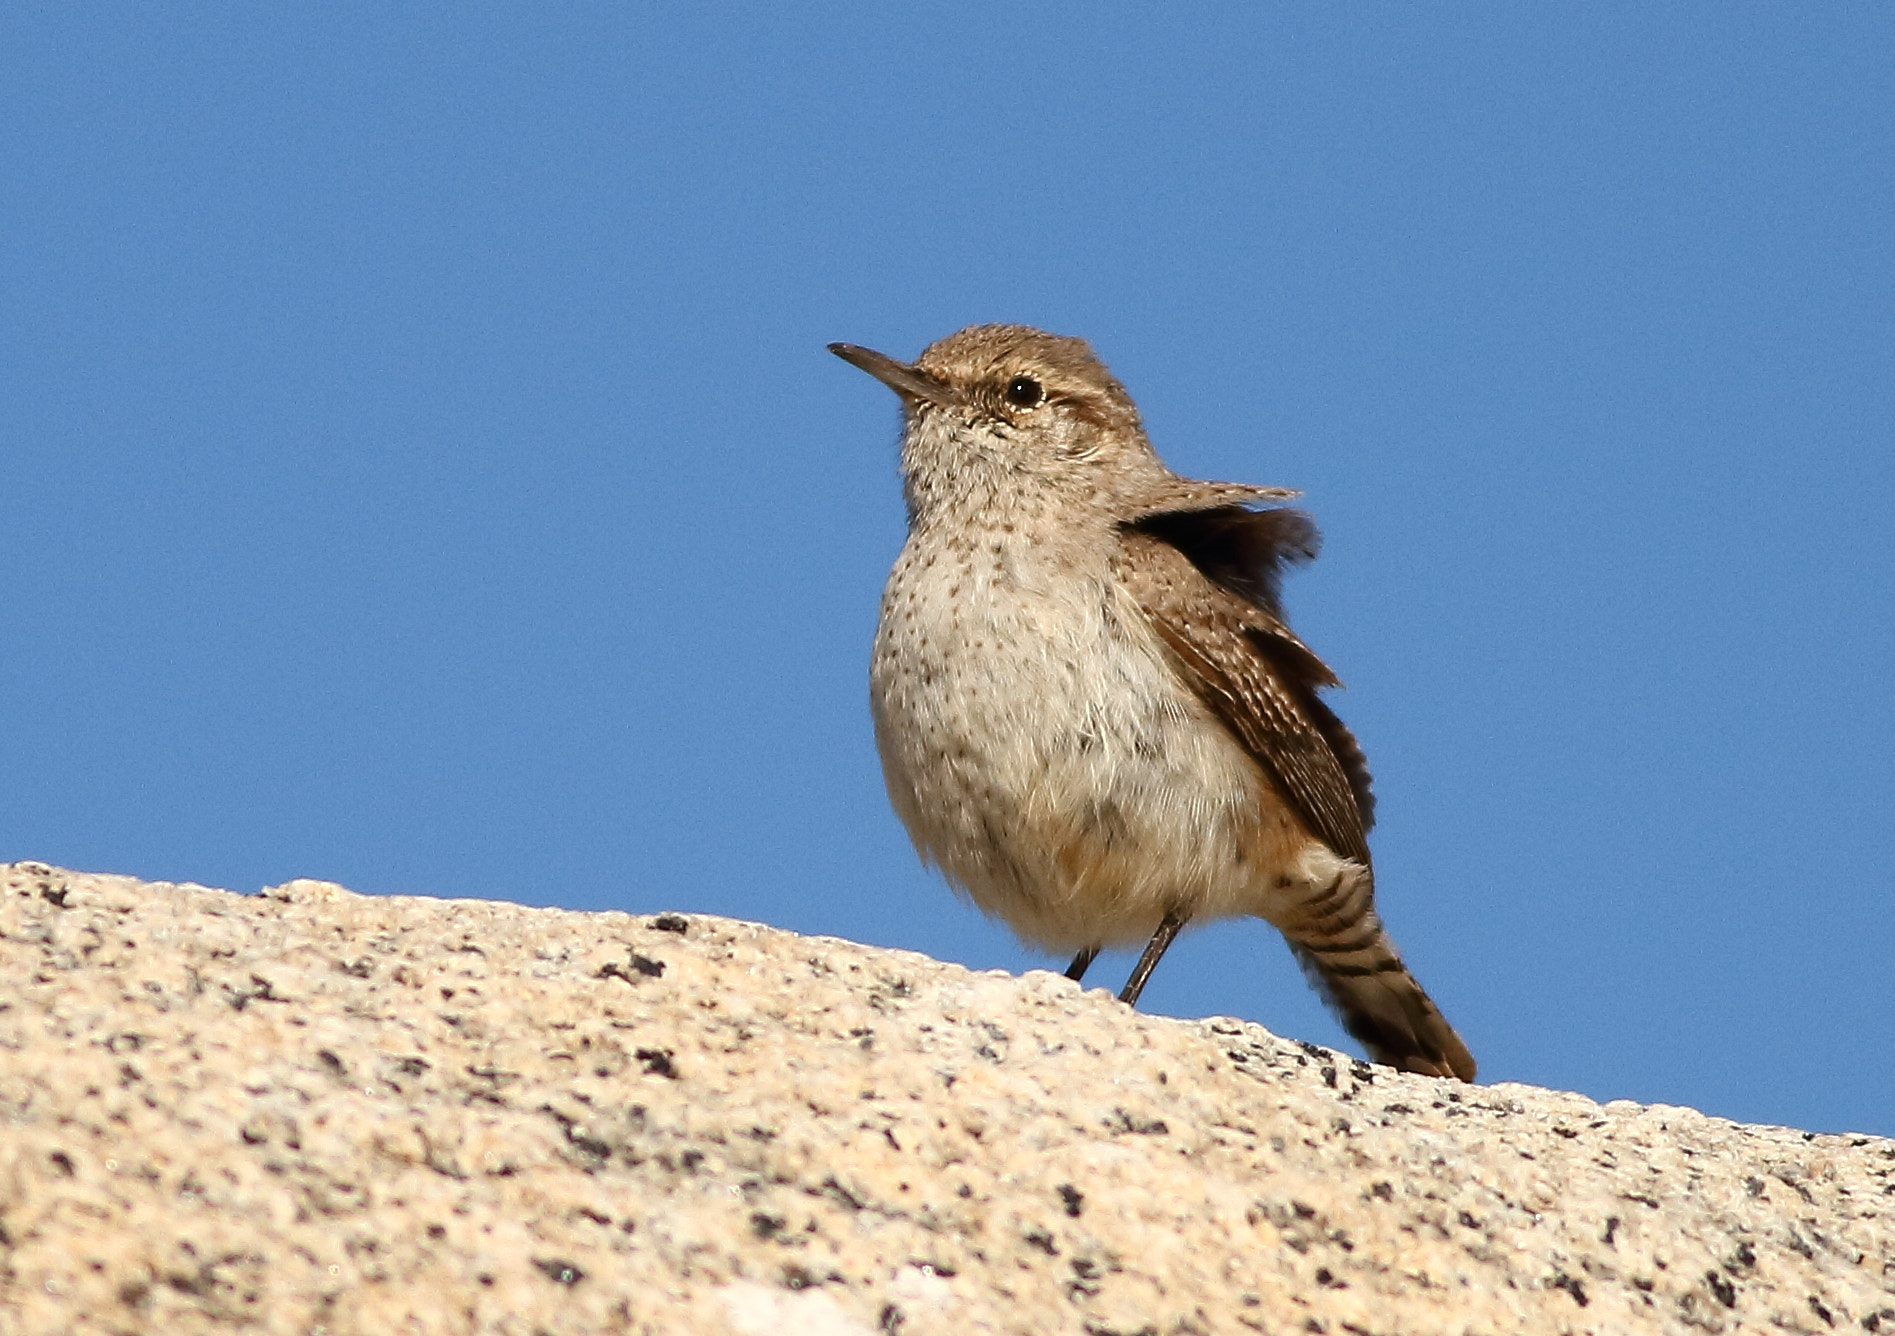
[[1380, 1003], [1348, 958]]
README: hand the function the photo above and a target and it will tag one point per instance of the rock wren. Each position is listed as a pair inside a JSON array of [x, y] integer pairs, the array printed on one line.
[[1090, 711]]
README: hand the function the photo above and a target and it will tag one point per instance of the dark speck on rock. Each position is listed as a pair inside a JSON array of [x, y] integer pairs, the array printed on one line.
[[1725, 1291], [658, 1062], [1572, 1287]]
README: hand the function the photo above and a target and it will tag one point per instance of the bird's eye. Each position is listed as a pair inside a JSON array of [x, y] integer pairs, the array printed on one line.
[[1025, 392]]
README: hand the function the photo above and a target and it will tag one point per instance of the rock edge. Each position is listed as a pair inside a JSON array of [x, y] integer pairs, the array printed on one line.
[[311, 1111]]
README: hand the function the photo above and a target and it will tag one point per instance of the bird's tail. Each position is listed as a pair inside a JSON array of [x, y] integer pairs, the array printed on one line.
[[1348, 958]]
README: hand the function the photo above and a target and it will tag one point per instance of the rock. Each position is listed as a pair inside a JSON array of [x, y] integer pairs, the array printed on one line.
[[311, 1111]]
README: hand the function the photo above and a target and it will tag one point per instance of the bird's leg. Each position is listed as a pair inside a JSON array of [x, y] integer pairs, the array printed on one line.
[[1154, 950], [1081, 963]]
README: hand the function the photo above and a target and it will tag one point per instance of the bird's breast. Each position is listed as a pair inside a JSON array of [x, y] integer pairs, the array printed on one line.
[[1042, 751]]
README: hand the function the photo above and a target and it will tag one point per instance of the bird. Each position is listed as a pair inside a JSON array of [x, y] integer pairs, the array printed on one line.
[[1091, 713]]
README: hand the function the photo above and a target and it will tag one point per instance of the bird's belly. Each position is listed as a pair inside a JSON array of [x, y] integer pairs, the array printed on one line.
[[1044, 754]]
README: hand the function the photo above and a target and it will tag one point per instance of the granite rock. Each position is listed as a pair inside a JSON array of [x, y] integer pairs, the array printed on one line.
[[308, 1111]]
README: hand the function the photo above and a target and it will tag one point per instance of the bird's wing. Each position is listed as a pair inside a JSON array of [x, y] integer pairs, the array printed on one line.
[[1207, 581]]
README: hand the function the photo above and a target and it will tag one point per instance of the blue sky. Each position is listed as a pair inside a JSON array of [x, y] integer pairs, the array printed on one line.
[[421, 468]]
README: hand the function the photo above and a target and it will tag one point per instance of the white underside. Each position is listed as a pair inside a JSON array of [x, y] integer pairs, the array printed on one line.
[[1056, 768]]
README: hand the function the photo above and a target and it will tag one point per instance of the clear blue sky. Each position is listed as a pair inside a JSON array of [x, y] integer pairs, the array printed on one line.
[[420, 466]]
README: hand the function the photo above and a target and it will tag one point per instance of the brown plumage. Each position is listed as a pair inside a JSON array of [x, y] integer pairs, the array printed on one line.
[[1241, 659], [1091, 712]]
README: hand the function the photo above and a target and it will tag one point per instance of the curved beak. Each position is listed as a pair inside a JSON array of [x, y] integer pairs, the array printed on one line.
[[910, 382]]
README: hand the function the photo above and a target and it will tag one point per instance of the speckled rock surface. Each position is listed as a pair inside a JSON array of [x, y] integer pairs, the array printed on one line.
[[314, 1112]]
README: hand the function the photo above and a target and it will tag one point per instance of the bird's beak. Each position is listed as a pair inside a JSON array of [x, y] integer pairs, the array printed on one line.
[[910, 382]]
